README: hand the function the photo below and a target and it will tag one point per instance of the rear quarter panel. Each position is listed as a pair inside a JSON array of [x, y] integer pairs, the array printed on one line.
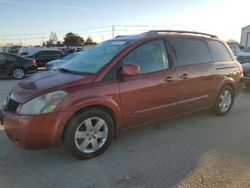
[[228, 73]]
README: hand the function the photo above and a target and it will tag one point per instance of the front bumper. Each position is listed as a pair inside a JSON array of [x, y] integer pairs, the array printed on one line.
[[34, 132]]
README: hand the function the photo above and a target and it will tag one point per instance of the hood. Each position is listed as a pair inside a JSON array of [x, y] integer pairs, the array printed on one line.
[[45, 82]]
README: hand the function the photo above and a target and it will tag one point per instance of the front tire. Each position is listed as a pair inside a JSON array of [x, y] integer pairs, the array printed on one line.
[[89, 133], [18, 73], [224, 101]]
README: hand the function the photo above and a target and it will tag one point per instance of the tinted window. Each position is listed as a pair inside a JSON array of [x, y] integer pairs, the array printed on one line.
[[190, 51], [54, 53], [219, 51], [43, 53], [5, 58], [151, 57], [2, 59]]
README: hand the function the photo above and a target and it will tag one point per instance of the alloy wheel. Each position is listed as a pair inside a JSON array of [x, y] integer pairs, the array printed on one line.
[[18, 73], [225, 100], [91, 134]]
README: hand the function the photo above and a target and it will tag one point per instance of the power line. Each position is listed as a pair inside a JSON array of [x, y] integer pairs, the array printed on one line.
[[60, 31]]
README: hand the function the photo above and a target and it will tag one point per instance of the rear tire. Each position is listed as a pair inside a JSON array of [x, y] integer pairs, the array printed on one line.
[[224, 101], [89, 133], [18, 73]]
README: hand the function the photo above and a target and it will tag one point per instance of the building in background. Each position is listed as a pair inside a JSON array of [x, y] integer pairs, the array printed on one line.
[[245, 37]]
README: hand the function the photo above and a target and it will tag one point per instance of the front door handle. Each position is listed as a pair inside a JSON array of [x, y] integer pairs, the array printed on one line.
[[184, 76]]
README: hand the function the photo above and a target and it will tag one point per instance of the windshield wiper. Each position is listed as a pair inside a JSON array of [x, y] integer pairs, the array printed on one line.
[[65, 70], [73, 72]]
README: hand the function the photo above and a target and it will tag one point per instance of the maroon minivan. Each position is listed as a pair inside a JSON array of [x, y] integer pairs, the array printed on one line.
[[122, 83]]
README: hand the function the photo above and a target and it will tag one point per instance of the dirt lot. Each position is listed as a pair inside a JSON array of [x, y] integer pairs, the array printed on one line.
[[196, 150]]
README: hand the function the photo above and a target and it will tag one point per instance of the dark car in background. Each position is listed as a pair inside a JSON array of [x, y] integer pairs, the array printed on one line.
[[16, 66], [246, 74], [42, 57], [56, 63], [244, 58]]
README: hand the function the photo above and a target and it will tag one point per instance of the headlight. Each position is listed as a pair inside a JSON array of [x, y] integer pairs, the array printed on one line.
[[43, 104]]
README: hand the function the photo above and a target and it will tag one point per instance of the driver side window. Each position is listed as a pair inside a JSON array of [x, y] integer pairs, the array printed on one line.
[[151, 57]]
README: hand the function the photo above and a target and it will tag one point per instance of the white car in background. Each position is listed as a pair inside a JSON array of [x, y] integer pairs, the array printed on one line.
[[244, 56], [53, 65]]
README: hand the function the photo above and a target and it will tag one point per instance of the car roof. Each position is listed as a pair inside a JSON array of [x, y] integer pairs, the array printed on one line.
[[163, 33]]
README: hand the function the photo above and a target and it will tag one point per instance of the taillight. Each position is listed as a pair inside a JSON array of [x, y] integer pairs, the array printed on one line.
[[33, 61]]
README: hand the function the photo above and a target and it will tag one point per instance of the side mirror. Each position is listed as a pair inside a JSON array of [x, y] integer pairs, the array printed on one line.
[[130, 70]]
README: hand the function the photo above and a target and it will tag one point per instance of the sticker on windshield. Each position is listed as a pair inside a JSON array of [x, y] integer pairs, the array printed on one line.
[[118, 42]]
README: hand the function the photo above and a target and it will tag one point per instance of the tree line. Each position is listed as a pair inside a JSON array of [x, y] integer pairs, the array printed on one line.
[[70, 39]]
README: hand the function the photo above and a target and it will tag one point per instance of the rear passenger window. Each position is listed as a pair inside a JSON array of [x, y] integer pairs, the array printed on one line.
[[43, 53], [219, 51], [5, 58], [190, 51]]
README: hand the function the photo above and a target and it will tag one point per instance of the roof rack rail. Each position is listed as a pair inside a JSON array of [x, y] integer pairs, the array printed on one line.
[[153, 32], [118, 36]]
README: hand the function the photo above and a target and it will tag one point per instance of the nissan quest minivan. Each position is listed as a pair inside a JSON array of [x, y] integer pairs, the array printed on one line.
[[122, 83]]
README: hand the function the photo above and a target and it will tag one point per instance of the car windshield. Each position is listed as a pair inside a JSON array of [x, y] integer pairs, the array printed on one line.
[[94, 59], [70, 56], [247, 49]]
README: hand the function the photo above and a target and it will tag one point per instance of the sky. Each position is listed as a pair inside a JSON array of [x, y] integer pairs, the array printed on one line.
[[31, 21]]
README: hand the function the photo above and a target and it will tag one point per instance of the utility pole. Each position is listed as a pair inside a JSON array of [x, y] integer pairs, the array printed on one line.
[[113, 31], [42, 41]]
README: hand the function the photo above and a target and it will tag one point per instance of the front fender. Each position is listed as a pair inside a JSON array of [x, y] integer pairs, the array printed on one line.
[[71, 108], [105, 101]]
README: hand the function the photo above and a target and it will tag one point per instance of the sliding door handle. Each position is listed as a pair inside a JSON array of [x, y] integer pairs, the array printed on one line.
[[168, 79]]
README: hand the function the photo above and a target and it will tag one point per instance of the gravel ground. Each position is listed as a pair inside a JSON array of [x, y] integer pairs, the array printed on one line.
[[195, 150]]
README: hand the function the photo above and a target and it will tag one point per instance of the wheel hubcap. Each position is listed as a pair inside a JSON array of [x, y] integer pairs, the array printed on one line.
[[18, 73], [225, 100], [91, 134]]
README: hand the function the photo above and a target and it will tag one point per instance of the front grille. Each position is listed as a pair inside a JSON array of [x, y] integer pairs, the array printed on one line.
[[11, 105]]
